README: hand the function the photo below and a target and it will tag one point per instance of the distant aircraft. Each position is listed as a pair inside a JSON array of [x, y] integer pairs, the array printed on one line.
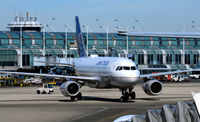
[[104, 72], [33, 81]]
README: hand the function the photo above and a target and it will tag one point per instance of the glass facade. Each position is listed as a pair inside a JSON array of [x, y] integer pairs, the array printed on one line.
[[145, 50], [8, 58]]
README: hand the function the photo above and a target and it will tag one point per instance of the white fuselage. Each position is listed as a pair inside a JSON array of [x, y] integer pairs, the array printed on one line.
[[112, 71]]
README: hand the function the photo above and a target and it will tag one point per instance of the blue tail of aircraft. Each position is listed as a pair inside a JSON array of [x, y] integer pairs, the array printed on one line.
[[79, 38]]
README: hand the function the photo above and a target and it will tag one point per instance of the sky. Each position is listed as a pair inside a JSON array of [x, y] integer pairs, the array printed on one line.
[[131, 15]]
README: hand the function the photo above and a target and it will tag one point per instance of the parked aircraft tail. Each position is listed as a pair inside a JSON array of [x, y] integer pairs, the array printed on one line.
[[79, 39]]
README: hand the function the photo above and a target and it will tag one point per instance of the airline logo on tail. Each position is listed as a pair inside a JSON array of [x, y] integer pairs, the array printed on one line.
[[79, 38]]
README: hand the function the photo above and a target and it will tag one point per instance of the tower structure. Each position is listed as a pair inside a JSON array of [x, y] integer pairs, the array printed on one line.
[[28, 23]]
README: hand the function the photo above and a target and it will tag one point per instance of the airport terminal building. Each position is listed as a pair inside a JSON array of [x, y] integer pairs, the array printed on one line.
[[25, 44]]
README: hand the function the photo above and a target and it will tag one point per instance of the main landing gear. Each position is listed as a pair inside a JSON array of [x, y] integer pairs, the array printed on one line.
[[78, 97], [126, 94]]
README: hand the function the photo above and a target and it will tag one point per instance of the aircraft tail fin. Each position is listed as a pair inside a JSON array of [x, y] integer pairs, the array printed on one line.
[[79, 39]]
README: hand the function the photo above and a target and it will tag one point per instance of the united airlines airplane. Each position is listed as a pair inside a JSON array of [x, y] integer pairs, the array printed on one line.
[[104, 72]]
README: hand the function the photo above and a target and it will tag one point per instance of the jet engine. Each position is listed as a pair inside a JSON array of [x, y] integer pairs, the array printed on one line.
[[70, 88], [152, 87]]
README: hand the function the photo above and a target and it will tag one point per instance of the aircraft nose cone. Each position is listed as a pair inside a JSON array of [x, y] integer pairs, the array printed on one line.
[[124, 81]]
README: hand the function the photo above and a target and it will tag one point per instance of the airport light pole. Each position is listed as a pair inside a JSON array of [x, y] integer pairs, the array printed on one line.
[[44, 36], [87, 31], [87, 40], [106, 37], [127, 31], [44, 39], [117, 27], [49, 25], [51, 28], [198, 27], [136, 28], [127, 40], [21, 50], [127, 44], [184, 47], [66, 40], [106, 28], [183, 50]]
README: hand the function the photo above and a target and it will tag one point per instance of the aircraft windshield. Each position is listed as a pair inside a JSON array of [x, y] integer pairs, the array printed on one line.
[[125, 68], [133, 68]]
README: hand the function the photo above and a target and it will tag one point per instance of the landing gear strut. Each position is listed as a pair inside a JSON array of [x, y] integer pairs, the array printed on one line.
[[126, 94], [131, 93], [78, 96]]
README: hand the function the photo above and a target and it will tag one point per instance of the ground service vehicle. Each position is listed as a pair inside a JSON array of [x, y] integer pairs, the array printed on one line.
[[195, 75], [177, 78], [46, 89]]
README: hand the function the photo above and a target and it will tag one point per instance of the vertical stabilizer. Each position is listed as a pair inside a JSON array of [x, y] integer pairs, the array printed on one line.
[[79, 39]]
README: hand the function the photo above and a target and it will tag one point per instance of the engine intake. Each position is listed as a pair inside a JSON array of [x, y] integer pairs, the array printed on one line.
[[152, 87], [70, 88]]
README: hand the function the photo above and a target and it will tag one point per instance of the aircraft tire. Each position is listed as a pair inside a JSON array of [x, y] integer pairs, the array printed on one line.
[[38, 92], [132, 95], [123, 99], [79, 96], [73, 99], [126, 95]]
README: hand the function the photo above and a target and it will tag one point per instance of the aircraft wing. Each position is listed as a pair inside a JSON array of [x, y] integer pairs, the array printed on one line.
[[84, 78], [155, 68], [167, 73], [55, 63]]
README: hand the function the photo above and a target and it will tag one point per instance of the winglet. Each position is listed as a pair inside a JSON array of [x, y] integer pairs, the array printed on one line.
[[196, 97], [79, 38]]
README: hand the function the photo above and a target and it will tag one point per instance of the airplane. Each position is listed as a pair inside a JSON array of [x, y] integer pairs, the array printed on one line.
[[104, 72]]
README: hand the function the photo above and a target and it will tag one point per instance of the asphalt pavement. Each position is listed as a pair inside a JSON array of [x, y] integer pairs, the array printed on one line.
[[22, 104]]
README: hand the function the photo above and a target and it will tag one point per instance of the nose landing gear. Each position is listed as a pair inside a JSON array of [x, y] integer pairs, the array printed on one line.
[[126, 94]]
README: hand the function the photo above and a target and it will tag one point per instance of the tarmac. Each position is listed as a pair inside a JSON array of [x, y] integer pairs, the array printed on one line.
[[22, 104]]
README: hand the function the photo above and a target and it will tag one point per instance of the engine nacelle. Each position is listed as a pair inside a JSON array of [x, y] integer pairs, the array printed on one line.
[[70, 88], [152, 87]]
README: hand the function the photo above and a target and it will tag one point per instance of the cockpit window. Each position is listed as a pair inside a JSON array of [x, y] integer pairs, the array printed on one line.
[[133, 68], [119, 68], [126, 68]]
